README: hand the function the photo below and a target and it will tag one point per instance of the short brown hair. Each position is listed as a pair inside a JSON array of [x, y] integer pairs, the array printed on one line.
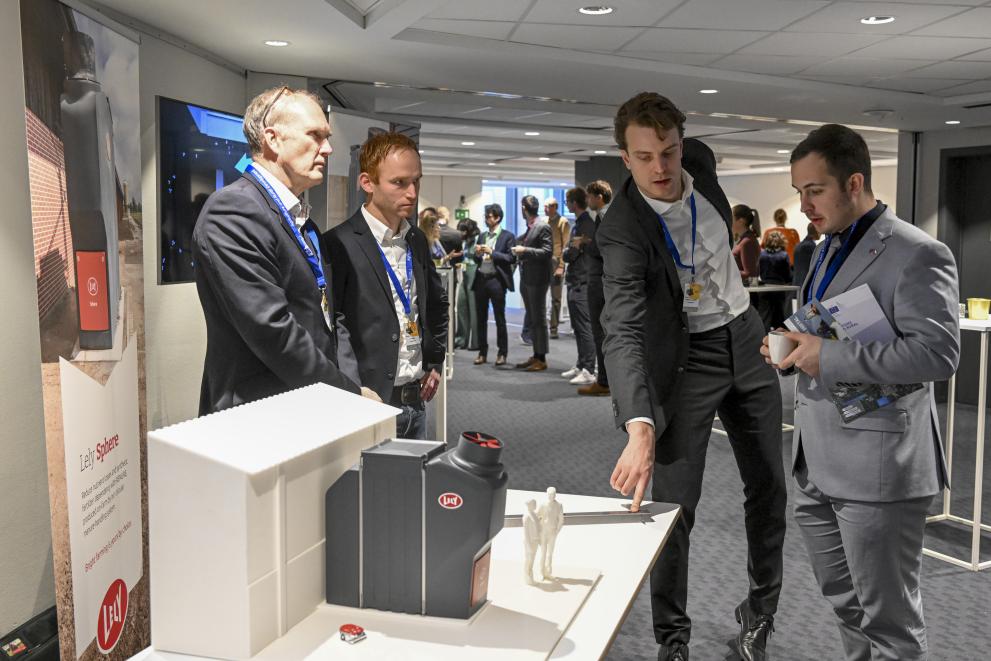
[[600, 188], [378, 147], [577, 196], [780, 216], [648, 109], [775, 241], [265, 110]]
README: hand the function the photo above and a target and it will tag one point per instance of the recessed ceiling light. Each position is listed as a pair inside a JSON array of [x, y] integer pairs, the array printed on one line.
[[276, 43], [595, 10], [543, 158], [468, 144], [877, 20], [600, 151], [491, 163], [953, 121], [532, 133], [540, 173], [564, 183], [708, 91], [783, 151]]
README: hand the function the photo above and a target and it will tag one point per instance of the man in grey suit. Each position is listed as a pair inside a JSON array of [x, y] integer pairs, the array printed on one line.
[[864, 486], [534, 252]]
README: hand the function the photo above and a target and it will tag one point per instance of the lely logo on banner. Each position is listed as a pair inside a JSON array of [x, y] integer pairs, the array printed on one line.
[[110, 621]]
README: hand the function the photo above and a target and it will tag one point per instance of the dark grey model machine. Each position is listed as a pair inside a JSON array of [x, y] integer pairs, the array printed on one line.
[[410, 527]]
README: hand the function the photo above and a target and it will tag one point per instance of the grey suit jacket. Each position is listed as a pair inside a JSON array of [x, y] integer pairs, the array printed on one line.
[[894, 453]]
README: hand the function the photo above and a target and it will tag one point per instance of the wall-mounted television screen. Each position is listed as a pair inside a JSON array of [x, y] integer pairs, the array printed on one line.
[[200, 150]]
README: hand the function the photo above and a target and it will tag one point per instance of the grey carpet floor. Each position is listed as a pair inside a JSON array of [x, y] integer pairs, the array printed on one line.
[[555, 438]]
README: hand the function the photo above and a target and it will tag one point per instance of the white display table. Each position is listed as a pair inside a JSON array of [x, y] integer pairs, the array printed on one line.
[[975, 524], [622, 553]]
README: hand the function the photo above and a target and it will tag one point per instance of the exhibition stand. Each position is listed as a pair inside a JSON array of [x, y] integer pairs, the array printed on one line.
[[976, 526], [237, 544]]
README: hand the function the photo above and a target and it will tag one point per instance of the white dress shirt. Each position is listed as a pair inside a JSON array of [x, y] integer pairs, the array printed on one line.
[[409, 365], [291, 202], [723, 296]]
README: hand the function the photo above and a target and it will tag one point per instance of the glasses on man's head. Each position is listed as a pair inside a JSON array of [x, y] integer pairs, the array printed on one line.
[[271, 104]]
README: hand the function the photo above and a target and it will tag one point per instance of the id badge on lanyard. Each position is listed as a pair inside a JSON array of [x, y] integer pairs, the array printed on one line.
[[692, 289], [693, 295]]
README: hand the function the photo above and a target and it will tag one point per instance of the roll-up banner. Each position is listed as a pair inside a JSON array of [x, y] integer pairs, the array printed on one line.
[[82, 103]]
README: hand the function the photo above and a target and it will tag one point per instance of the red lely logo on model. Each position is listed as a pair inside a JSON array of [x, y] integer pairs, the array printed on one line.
[[450, 500], [110, 620]]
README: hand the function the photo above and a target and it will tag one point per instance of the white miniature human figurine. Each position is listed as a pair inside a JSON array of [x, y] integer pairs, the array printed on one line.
[[531, 539], [551, 516]]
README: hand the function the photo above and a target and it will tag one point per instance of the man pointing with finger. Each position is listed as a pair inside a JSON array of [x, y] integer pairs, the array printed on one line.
[[683, 343]]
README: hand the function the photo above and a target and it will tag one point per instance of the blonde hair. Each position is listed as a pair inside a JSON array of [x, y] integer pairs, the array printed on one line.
[[267, 109], [428, 224]]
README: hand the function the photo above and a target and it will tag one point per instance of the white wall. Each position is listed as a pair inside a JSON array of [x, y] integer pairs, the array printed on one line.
[[436, 191], [175, 333], [27, 586], [767, 192]]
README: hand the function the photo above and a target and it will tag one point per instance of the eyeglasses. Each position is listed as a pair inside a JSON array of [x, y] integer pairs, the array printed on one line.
[[271, 104]]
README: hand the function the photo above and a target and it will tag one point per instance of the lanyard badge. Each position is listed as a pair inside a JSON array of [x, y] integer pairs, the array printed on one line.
[[692, 289], [405, 297]]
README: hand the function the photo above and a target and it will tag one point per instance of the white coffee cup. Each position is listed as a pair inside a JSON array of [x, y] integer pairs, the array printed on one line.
[[779, 346]]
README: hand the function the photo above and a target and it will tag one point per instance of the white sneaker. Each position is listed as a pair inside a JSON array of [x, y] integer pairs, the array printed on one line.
[[570, 374], [584, 378]]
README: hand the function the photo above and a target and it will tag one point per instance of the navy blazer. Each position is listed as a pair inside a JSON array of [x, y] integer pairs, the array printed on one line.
[[502, 258], [363, 298], [646, 330], [265, 329]]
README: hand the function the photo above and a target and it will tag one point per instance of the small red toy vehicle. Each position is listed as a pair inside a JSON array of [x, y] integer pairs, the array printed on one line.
[[352, 633]]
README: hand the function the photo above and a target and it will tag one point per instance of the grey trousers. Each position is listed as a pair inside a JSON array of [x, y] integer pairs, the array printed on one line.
[[867, 558]]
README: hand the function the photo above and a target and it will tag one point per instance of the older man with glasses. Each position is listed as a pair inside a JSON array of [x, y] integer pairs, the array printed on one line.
[[259, 272]]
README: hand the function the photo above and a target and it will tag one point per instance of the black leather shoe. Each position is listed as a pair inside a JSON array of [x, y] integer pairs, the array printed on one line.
[[755, 629], [676, 652]]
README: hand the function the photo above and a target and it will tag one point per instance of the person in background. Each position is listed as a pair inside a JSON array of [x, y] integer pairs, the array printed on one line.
[[450, 237], [803, 255], [774, 270], [746, 225], [789, 235], [599, 198], [465, 329], [534, 253], [494, 277], [575, 255], [561, 233], [428, 224]]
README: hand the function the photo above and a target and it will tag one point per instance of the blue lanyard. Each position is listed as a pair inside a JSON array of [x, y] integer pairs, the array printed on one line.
[[313, 259], [834, 264], [673, 249], [404, 296]]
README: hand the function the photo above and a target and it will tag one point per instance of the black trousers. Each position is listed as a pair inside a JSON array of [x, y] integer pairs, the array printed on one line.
[[488, 289], [597, 301], [772, 308], [535, 302], [725, 373], [581, 324]]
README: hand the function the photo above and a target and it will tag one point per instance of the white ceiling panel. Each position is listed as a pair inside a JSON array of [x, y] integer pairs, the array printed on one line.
[[504, 10], [626, 12], [693, 41], [924, 48], [485, 29], [767, 64], [364, 6], [820, 45], [849, 79], [919, 85], [971, 23], [741, 14], [976, 87], [860, 66], [845, 17], [575, 37], [691, 59], [980, 56], [955, 69]]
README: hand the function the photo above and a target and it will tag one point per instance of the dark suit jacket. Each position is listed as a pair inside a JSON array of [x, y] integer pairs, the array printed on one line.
[[803, 260], [502, 258], [578, 259], [265, 329], [536, 267], [450, 239], [363, 298], [646, 342]]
